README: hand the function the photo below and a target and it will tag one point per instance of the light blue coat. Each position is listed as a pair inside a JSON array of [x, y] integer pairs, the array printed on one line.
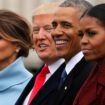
[[13, 80]]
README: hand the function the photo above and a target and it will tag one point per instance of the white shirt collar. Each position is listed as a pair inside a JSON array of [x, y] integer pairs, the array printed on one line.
[[53, 67], [73, 61]]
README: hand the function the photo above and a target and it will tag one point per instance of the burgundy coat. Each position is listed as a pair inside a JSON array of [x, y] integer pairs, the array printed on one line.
[[93, 90]]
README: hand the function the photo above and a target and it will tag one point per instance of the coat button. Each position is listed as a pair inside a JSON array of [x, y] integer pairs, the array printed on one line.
[[65, 87]]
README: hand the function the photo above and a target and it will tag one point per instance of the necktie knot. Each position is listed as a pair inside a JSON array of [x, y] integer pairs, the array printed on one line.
[[63, 77], [44, 71]]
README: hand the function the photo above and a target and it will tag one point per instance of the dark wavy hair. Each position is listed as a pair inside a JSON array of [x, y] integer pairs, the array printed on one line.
[[97, 12], [15, 28]]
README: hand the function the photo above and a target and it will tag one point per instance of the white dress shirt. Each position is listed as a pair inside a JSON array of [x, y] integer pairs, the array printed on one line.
[[52, 68], [73, 61]]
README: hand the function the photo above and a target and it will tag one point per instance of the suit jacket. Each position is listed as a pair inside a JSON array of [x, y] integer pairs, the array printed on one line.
[[46, 93], [13, 80], [73, 82], [93, 90]]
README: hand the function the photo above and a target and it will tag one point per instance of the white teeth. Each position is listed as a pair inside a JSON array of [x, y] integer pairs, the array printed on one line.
[[42, 46], [61, 42]]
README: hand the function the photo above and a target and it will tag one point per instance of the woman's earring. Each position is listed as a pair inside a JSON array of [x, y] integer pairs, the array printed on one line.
[[17, 50]]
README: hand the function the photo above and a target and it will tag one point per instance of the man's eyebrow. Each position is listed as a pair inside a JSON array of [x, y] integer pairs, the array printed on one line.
[[67, 22], [48, 25]]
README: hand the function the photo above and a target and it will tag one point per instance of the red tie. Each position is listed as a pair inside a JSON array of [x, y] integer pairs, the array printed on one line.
[[38, 82]]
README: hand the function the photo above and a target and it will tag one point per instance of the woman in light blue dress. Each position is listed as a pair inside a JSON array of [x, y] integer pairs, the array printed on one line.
[[15, 41]]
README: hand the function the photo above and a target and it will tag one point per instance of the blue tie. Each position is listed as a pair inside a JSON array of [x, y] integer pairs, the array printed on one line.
[[63, 77]]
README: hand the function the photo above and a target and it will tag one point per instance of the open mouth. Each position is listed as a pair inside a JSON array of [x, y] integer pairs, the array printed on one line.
[[60, 42], [42, 45]]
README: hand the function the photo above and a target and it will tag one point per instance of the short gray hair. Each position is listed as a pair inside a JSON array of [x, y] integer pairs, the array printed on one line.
[[83, 5]]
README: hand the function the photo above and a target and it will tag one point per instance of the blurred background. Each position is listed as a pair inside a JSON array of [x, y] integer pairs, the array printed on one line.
[[25, 8]]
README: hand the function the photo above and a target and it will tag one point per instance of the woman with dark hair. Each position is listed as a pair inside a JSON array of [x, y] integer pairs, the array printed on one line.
[[93, 47], [15, 41]]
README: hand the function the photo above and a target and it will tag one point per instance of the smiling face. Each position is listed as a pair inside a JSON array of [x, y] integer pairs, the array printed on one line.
[[43, 42], [65, 26], [93, 39]]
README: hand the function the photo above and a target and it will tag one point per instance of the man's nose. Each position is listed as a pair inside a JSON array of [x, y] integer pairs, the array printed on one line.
[[42, 33], [57, 31]]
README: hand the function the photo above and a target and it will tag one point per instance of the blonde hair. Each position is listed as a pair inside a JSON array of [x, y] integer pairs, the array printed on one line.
[[47, 8]]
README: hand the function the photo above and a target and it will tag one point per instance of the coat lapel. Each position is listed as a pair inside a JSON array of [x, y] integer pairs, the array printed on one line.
[[26, 91], [73, 82], [92, 92], [49, 87]]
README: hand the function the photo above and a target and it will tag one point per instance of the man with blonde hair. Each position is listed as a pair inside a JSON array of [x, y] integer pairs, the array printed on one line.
[[41, 91]]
